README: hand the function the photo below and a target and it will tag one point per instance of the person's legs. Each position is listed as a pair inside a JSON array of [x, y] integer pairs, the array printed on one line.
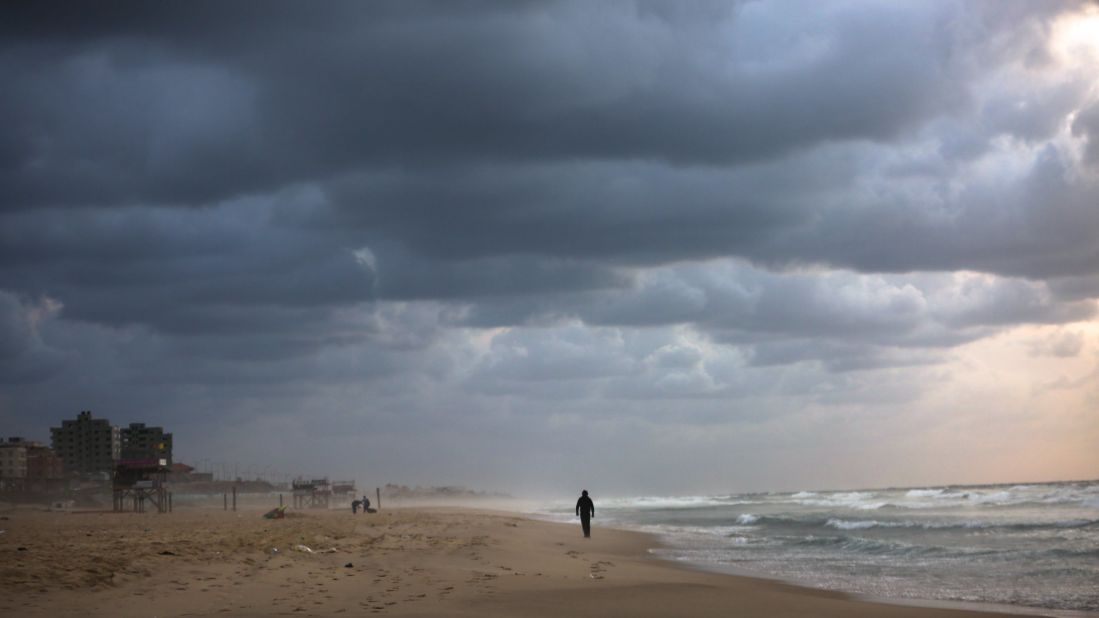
[[585, 522]]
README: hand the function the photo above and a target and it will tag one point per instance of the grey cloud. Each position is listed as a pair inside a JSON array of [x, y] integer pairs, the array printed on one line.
[[407, 276], [619, 211], [24, 356], [1075, 288], [982, 302], [799, 211], [1086, 125], [932, 310], [1038, 224], [839, 356], [557, 355], [180, 271], [1062, 344], [536, 152], [1032, 115], [844, 320], [684, 219], [185, 109]]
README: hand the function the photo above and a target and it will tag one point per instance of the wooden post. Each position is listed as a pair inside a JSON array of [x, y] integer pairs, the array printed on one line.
[[234, 497], [280, 500], [378, 495]]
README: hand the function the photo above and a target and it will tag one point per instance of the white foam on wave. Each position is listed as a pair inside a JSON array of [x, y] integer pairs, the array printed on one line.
[[843, 524], [663, 502], [996, 497], [698, 536], [924, 493], [860, 500], [847, 524], [747, 519], [1023, 494]]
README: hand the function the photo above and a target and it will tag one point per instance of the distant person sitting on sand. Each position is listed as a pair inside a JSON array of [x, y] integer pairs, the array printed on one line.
[[355, 506], [585, 508]]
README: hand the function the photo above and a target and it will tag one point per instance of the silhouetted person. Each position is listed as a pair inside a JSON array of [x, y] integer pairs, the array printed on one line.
[[355, 506], [585, 508], [366, 504]]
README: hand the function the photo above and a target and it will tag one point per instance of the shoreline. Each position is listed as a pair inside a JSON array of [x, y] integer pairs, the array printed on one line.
[[949, 604], [660, 543], [450, 561], [975, 606]]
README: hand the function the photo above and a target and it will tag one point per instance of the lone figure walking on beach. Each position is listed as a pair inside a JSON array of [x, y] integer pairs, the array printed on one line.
[[585, 508]]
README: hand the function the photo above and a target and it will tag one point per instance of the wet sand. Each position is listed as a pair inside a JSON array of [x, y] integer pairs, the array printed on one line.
[[399, 562]]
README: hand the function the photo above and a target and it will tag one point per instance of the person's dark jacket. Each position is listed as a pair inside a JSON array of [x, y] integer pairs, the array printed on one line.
[[585, 507]]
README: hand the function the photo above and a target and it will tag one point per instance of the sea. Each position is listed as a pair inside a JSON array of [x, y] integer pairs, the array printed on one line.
[[1026, 546]]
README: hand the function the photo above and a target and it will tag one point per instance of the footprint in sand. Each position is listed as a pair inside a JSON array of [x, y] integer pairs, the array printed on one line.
[[598, 568]]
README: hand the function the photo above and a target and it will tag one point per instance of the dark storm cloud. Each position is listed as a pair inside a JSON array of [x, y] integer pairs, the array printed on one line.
[[452, 133], [174, 105], [591, 210], [177, 270]]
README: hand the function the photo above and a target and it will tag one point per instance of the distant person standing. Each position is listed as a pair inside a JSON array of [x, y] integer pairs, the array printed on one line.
[[585, 508], [366, 504]]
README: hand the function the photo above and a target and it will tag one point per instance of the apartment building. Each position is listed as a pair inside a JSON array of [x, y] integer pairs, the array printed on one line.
[[88, 446]]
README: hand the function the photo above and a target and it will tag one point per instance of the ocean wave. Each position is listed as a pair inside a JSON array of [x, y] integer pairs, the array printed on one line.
[[942, 499], [666, 502], [839, 523], [863, 501], [1062, 552], [986, 496], [842, 524], [866, 546], [937, 494], [747, 519]]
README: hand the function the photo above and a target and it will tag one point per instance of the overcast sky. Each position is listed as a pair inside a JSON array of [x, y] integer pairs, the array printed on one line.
[[641, 247]]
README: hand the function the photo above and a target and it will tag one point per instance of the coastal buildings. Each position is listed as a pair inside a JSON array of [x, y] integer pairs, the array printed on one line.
[[88, 446], [29, 466], [44, 468], [12, 462], [139, 442], [93, 447]]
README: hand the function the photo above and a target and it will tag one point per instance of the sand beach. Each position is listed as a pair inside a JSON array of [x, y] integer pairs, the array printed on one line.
[[419, 561]]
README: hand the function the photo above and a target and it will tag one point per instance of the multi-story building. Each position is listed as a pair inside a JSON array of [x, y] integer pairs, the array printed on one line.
[[29, 466], [141, 443], [13, 463], [87, 446], [44, 466]]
